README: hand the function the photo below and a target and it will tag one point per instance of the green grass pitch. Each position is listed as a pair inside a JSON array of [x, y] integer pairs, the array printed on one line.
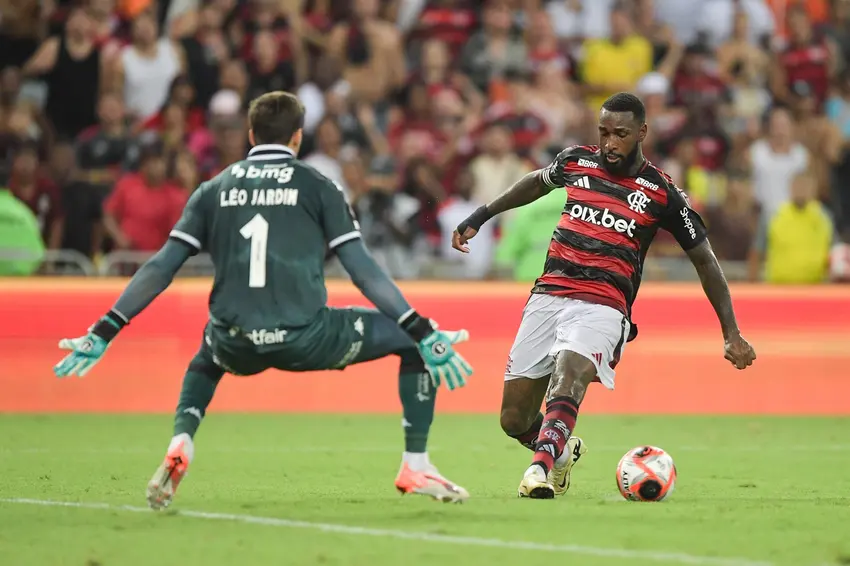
[[318, 490]]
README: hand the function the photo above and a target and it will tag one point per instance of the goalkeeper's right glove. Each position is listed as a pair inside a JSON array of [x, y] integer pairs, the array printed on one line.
[[435, 346]]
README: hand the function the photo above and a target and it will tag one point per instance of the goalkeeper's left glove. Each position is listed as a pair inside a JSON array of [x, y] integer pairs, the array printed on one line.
[[87, 350], [435, 346]]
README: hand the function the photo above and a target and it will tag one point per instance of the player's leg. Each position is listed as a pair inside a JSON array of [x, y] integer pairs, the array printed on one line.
[[528, 369], [590, 340], [199, 385], [520, 416], [382, 337]]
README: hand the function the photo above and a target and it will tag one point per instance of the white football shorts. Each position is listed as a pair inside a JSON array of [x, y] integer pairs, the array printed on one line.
[[551, 324]]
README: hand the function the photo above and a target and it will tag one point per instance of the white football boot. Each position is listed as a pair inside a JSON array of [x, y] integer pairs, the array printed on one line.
[[559, 475], [535, 484]]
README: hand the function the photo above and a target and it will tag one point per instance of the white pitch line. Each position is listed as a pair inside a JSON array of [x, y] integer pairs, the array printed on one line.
[[674, 557], [395, 449]]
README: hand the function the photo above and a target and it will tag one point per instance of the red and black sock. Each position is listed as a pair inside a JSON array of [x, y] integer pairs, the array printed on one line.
[[558, 425], [529, 437]]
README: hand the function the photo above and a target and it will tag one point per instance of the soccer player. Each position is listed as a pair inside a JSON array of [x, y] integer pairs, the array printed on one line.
[[266, 222], [578, 317]]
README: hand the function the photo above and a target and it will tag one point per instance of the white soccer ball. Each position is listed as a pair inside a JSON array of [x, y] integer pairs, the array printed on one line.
[[646, 473]]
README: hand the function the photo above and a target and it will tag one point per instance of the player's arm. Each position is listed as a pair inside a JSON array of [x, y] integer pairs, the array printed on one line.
[[689, 230], [531, 187], [148, 283]]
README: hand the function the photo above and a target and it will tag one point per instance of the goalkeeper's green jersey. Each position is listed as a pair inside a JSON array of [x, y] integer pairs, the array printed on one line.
[[267, 222]]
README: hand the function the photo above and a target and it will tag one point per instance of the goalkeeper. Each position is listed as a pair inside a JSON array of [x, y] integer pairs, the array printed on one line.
[[267, 222]]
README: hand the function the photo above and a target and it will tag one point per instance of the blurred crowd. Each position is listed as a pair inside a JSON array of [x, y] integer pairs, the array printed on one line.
[[112, 112]]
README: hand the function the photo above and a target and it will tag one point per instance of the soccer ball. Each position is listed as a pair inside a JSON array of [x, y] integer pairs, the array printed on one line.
[[646, 473]]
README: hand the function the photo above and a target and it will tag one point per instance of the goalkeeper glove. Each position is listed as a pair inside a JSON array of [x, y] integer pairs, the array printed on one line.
[[87, 350], [435, 346]]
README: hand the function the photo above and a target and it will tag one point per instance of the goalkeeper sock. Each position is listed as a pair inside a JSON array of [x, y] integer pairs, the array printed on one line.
[[418, 397], [558, 425], [199, 386], [529, 437]]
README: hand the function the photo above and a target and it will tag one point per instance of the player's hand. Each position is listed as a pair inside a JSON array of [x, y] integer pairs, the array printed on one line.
[[442, 362], [86, 351], [459, 240], [739, 352]]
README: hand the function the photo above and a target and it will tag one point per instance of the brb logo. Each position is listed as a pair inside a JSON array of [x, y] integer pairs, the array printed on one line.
[[688, 224], [602, 218]]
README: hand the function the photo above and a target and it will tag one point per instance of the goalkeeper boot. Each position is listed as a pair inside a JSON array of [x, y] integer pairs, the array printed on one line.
[[168, 476], [535, 484], [559, 476], [428, 481]]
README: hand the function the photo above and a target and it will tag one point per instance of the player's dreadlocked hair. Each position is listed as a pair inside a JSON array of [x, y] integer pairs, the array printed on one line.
[[275, 117], [626, 102]]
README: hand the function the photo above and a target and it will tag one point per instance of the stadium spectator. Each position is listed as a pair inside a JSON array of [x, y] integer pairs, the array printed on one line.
[[21, 246], [525, 238], [268, 70], [818, 135], [451, 22], [739, 56], [795, 242], [370, 51], [183, 171], [696, 85], [531, 134], [838, 111], [716, 21], [808, 58], [181, 93], [107, 148], [203, 41], [146, 68], [389, 221], [106, 26], [144, 206], [21, 29], [614, 63], [418, 88], [23, 124], [234, 77], [326, 158], [733, 220], [72, 68], [775, 160], [663, 121], [497, 167], [492, 52], [454, 210], [657, 32], [39, 193]]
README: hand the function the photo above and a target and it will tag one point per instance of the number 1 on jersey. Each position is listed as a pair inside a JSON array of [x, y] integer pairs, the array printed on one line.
[[257, 230]]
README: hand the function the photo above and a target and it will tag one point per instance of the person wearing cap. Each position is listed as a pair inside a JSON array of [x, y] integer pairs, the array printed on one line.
[[143, 206]]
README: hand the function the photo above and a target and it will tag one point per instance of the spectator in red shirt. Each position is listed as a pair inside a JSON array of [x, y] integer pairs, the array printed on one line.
[[808, 58], [182, 95], [39, 193], [531, 132], [144, 206], [450, 21], [695, 85], [268, 71]]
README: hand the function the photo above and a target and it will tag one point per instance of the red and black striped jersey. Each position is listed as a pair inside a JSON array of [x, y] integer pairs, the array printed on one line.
[[608, 223]]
